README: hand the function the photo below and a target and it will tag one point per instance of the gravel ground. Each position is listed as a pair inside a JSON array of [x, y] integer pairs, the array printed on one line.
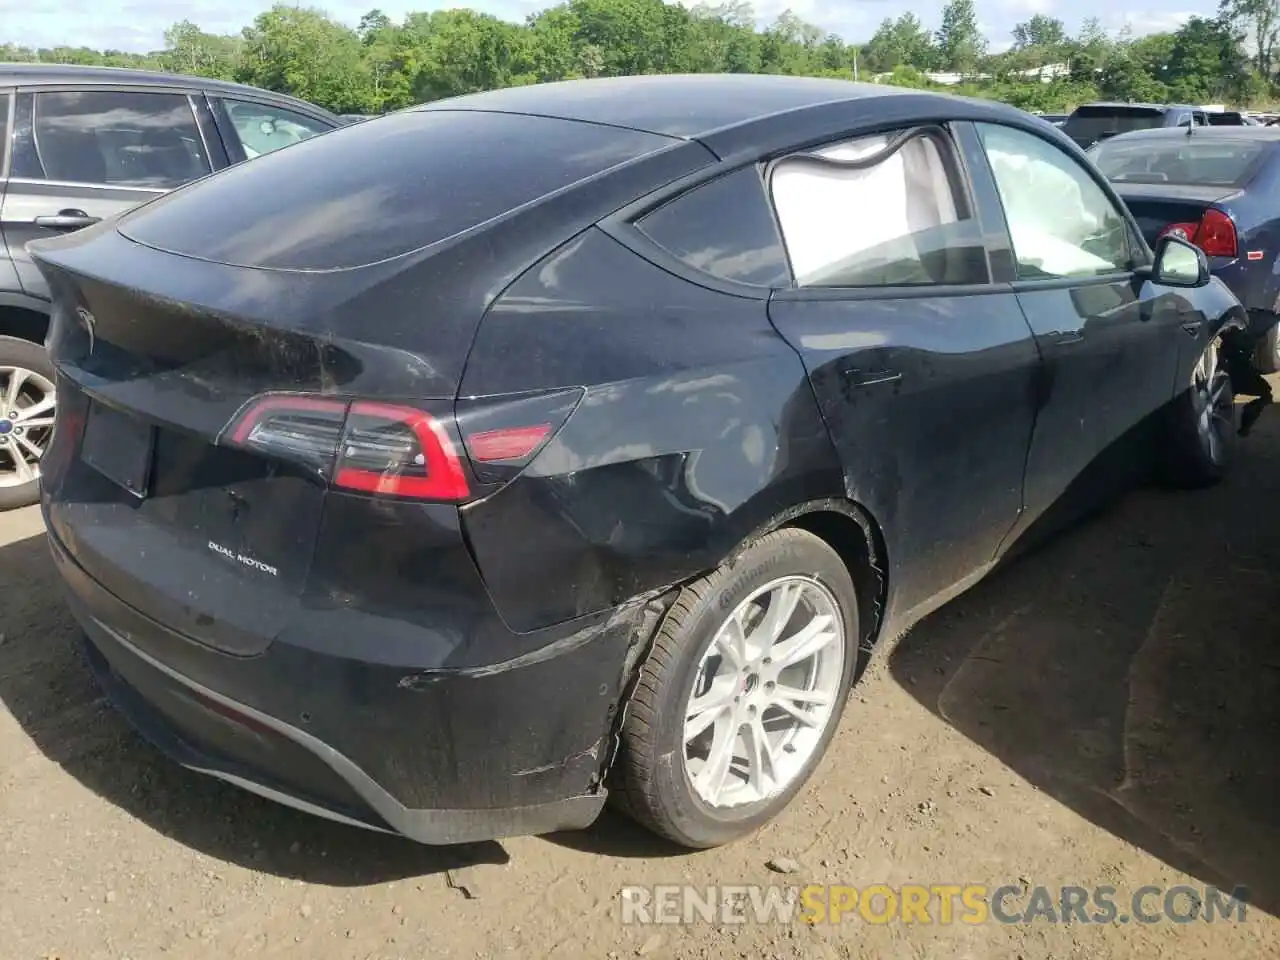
[[1103, 711]]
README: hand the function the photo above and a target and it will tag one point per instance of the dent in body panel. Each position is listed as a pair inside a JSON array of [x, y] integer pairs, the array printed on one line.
[[697, 425]]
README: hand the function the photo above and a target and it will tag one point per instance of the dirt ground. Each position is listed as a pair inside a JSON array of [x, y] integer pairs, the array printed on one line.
[[1104, 711]]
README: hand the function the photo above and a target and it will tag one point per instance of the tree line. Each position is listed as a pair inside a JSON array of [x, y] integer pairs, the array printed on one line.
[[383, 65]]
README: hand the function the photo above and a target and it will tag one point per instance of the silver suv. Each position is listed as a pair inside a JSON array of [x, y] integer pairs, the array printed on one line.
[[80, 145]]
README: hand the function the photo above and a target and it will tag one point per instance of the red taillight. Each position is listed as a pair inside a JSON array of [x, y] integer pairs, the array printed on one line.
[[1215, 234], [376, 448], [396, 450], [399, 452]]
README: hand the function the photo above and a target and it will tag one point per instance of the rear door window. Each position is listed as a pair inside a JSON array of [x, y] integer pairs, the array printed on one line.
[[371, 191], [884, 210], [724, 228], [263, 128], [111, 138]]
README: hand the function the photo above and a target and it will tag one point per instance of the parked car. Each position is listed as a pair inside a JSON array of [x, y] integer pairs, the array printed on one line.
[[1219, 188], [1057, 119], [1093, 122], [1230, 118], [84, 144], [436, 486]]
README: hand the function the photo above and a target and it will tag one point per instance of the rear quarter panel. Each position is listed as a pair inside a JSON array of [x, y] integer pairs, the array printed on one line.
[[697, 428]]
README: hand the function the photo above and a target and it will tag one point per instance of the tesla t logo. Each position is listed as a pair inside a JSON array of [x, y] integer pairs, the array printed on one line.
[[86, 319], [241, 558]]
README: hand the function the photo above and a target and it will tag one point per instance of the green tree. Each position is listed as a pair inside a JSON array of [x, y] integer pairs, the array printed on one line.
[[1260, 20], [960, 43], [1040, 32], [901, 42], [188, 49], [1206, 63], [298, 50], [461, 51]]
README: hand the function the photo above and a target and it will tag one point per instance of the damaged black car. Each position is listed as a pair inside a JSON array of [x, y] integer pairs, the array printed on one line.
[[463, 468]]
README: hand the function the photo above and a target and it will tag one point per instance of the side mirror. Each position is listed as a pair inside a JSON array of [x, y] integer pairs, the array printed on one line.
[[1180, 263]]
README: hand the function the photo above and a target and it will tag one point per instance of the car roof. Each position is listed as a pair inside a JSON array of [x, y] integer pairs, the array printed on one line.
[[1142, 106], [1200, 133], [693, 106], [50, 74]]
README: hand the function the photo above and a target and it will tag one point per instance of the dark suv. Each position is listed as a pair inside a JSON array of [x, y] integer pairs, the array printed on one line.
[[1092, 122], [82, 144]]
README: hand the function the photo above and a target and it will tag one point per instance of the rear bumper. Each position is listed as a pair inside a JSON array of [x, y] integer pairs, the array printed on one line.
[[438, 756]]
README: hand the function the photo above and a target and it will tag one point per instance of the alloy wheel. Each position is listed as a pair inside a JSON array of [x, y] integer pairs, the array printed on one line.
[[26, 424], [1211, 391], [764, 693]]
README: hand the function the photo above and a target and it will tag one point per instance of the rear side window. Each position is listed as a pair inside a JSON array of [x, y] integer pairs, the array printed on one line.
[[1091, 124], [372, 191], [263, 128], [724, 228], [109, 138], [877, 211]]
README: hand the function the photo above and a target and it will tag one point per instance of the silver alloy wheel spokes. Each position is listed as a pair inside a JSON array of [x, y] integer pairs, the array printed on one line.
[[1213, 403], [26, 424], [764, 693]]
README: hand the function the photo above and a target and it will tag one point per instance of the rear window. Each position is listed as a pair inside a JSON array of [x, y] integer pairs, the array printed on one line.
[[1089, 124], [372, 191], [1181, 160]]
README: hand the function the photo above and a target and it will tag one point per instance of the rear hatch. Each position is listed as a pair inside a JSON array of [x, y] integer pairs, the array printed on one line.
[[229, 352], [1159, 205], [1091, 123]]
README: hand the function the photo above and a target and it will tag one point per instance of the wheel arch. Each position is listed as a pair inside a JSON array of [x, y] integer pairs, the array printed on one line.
[[851, 530], [23, 316]]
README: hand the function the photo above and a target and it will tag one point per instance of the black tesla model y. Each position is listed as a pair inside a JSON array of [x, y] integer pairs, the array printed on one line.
[[450, 471]]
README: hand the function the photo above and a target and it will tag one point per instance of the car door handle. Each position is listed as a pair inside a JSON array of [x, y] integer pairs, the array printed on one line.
[[67, 220], [867, 378]]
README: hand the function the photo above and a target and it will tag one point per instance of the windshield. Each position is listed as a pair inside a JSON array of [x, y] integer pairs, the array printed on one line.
[[1181, 160], [1090, 124]]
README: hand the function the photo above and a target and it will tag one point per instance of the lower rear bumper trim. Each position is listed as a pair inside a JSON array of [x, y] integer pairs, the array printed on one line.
[[435, 827]]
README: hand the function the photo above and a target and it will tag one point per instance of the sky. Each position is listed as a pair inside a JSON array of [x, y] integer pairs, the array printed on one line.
[[139, 25]]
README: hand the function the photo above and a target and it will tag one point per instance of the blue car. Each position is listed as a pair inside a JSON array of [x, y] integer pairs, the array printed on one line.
[[1220, 188]]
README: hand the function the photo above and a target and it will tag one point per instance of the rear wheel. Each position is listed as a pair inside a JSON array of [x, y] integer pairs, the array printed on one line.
[[1203, 424], [742, 692], [26, 419]]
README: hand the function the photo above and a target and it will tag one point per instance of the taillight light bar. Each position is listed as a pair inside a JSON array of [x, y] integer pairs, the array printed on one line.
[[1214, 233], [396, 450], [399, 452]]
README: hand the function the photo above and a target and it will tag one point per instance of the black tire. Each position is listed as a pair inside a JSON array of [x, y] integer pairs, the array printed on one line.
[[1191, 460], [1264, 356], [31, 356], [650, 780]]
